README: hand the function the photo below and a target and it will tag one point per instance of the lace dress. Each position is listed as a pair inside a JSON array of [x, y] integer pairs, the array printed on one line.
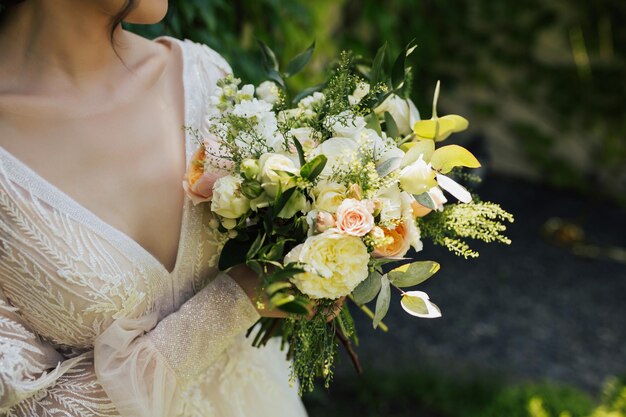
[[91, 324]]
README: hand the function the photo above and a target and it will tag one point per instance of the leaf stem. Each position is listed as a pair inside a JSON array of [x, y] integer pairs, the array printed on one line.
[[369, 313]]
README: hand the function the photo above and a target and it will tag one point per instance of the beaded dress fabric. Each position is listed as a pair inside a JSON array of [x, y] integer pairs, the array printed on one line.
[[91, 324]]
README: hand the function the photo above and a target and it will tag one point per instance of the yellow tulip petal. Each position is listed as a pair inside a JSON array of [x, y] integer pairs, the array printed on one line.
[[419, 147], [451, 156]]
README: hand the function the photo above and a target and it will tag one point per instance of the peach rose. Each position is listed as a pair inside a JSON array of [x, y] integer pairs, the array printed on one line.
[[324, 221], [354, 217], [198, 183], [399, 245]]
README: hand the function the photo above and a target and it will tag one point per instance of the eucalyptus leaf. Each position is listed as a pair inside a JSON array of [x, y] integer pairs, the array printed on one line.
[[426, 200], [383, 301], [418, 304], [299, 62], [367, 290], [412, 274], [389, 166]]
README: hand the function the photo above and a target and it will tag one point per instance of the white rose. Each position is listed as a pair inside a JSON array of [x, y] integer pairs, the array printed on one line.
[[403, 111], [228, 201], [362, 89], [270, 175], [336, 264], [329, 195], [338, 151], [268, 91], [418, 177]]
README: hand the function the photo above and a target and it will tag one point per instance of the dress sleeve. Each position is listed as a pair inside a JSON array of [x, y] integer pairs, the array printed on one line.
[[35, 380], [144, 374]]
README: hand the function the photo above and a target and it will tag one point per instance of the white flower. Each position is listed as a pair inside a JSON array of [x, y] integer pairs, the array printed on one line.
[[336, 264], [362, 89], [338, 151], [268, 91], [310, 101], [403, 111], [413, 232], [307, 137], [346, 124], [246, 92], [438, 198], [418, 177], [228, 201], [329, 195], [272, 168], [266, 124], [391, 204]]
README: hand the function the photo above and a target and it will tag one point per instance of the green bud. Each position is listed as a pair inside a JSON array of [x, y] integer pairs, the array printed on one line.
[[251, 189], [250, 168]]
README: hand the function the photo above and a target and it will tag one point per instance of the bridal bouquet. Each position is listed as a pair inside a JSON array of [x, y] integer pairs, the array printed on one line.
[[317, 192]]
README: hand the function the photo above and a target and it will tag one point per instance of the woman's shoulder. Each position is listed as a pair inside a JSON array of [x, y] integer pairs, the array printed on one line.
[[199, 54]]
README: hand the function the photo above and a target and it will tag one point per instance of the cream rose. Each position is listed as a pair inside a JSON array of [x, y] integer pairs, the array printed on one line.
[[272, 168], [336, 264], [329, 195], [228, 201], [354, 217], [418, 177]]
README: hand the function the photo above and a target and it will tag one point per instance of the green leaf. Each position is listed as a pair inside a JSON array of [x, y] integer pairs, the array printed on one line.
[[275, 76], [298, 306], [314, 167], [398, 71], [414, 304], [286, 273], [391, 127], [233, 253], [300, 150], [426, 200], [376, 74], [414, 273], [282, 199], [273, 252], [382, 302], [251, 189], [256, 245], [277, 286], [269, 57], [280, 299], [299, 62], [367, 290]]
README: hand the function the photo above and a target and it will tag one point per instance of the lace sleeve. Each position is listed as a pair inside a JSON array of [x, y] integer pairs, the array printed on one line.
[[35, 380]]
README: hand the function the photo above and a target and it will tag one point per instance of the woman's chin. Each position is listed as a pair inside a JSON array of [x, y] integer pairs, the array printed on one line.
[[147, 15]]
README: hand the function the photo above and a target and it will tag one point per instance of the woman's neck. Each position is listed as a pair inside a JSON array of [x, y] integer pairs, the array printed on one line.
[[64, 42]]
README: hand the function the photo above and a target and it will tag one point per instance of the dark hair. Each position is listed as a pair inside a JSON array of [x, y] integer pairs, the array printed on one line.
[[117, 19]]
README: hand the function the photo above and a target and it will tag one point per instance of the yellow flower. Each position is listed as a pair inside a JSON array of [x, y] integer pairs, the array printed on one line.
[[439, 128]]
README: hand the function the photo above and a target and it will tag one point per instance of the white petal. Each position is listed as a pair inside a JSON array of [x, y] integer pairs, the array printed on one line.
[[454, 188]]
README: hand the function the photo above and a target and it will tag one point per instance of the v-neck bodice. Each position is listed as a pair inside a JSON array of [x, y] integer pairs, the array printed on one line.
[[81, 271]]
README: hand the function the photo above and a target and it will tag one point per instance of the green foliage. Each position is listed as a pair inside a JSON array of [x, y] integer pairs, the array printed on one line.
[[477, 220]]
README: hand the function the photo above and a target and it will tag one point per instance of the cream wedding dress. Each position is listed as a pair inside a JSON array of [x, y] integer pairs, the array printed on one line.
[[91, 324]]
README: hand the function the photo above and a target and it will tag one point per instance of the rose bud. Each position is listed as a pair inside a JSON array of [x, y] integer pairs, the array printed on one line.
[[324, 221]]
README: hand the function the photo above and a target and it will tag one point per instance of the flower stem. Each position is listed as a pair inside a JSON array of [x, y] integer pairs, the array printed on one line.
[[369, 313]]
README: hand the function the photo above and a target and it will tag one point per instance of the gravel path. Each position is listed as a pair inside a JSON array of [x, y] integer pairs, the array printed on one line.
[[529, 310]]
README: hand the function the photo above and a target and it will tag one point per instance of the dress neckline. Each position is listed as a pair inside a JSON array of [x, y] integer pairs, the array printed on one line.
[[58, 198]]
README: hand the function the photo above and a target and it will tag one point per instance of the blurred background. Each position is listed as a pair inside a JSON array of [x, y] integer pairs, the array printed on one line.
[[534, 329]]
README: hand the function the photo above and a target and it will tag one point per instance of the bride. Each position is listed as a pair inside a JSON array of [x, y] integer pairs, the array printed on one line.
[[110, 301]]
